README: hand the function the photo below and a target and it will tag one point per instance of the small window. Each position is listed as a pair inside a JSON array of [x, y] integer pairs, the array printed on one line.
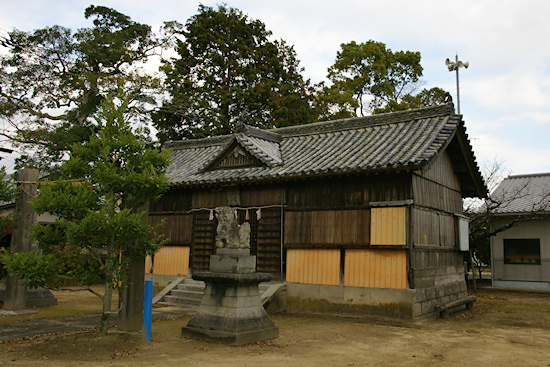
[[522, 251]]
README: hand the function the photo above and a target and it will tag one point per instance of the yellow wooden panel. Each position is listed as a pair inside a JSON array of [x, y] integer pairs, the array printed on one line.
[[170, 260], [388, 226], [376, 268], [313, 266]]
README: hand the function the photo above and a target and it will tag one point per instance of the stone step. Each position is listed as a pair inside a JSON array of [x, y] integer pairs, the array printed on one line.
[[192, 281], [169, 299], [189, 293], [190, 287], [184, 293]]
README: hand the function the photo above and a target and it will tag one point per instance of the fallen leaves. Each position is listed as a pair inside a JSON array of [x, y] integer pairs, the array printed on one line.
[[121, 353]]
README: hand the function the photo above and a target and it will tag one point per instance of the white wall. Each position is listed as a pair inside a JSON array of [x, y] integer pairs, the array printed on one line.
[[516, 275]]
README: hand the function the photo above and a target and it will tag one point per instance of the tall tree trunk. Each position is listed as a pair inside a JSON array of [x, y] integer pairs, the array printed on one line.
[[473, 272], [480, 270], [106, 314], [130, 314]]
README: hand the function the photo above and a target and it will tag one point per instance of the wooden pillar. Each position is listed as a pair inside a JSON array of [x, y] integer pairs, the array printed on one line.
[[130, 315], [21, 241]]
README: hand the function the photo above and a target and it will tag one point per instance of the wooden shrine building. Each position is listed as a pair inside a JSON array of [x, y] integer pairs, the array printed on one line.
[[356, 215]]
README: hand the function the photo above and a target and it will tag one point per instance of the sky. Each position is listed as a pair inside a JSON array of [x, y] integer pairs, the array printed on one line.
[[504, 93]]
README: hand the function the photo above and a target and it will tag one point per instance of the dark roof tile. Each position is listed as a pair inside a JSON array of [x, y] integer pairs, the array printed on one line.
[[392, 141], [523, 194]]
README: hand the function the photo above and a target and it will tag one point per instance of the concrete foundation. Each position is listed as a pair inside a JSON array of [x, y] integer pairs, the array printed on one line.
[[405, 304], [516, 284], [391, 303]]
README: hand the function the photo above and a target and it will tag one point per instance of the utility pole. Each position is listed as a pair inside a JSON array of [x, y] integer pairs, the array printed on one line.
[[454, 66]]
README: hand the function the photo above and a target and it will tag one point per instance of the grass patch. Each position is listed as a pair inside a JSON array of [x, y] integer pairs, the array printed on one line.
[[69, 303]]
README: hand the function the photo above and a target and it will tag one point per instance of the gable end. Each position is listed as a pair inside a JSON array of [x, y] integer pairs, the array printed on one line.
[[235, 156]]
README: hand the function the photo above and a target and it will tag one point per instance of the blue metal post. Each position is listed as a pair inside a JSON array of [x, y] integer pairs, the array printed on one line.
[[148, 309]]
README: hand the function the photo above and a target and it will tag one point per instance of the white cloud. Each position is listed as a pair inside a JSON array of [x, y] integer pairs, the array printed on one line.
[[513, 91], [517, 158]]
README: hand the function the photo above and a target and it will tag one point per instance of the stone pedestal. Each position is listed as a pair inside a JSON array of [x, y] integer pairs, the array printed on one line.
[[231, 310], [40, 297]]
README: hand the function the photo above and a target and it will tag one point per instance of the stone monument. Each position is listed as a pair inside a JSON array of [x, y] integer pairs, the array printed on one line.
[[231, 310], [14, 296]]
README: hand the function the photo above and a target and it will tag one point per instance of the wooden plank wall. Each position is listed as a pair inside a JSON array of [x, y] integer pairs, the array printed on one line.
[[177, 228], [434, 228], [260, 195], [313, 266], [389, 226], [449, 227], [335, 215], [170, 260], [432, 195], [175, 200], [437, 199], [426, 227], [209, 198], [437, 186], [351, 192], [327, 228], [441, 171], [376, 268], [435, 261]]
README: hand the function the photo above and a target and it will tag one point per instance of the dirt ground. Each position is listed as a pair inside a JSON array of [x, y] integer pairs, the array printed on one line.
[[503, 329]]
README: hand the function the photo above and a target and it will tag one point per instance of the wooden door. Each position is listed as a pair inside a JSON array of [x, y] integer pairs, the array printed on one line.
[[203, 241]]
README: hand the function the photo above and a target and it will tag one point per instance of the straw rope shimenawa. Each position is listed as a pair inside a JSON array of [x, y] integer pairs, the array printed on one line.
[[211, 210]]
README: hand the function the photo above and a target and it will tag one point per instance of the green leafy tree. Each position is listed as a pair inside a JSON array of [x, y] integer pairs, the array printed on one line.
[[97, 199], [368, 76], [227, 70], [426, 97], [336, 103], [53, 80], [7, 195]]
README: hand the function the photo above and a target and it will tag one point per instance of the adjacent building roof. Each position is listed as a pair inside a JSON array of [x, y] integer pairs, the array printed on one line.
[[523, 194], [397, 141]]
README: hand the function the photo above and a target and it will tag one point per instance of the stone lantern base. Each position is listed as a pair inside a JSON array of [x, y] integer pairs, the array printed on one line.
[[231, 310]]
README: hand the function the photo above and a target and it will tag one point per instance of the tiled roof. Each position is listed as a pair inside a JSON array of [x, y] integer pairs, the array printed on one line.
[[523, 194], [393, 141]]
